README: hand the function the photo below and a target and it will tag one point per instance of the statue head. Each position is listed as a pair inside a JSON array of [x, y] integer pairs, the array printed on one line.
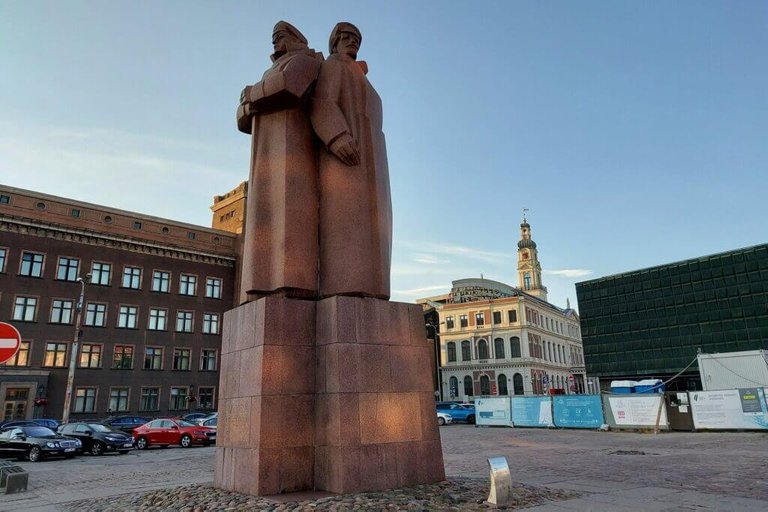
[[287, 38], [345, 39]]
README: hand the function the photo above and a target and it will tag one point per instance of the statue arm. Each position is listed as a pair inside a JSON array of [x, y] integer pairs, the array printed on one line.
[[327, 118]]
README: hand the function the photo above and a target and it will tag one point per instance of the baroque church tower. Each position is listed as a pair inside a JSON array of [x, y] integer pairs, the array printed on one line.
[[528, 266]]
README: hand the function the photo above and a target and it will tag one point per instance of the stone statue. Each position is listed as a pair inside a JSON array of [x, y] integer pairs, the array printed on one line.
[[355, 205], [280, 250]]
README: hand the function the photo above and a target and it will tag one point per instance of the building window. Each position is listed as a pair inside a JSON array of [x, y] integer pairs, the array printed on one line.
[[5, 199], [179, 400], [31, 264], [527, 281], [90, 356], [463, 321], [453, 386], [498, 348], [485, 385], [136, 224], [514, 347], [67, 269], [61, 311], [517, 384], [107, 219], [161, 281], [497, 317], [101, 273], [55, 355], [181, 358], [449, 322], [208, 360], [206, 398], [3, 259], [479, 319], [95, 314], [132, 277], [468, 391], [184, 321], [466, 351], [210, 323], [22, 356], [85, 400], [191, 235], [25, 309], [451, 352], [153, 358], [118, 399], [150, 399], [512, 315], [122, 358], [75, 213], [502, 385], [213, 287], [482, 349], [187, 284], [157, 319], [128, 317]]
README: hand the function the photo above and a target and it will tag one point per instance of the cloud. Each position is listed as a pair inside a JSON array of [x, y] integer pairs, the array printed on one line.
[[429, 259], [456, 250], [568, 272], [424, 291]]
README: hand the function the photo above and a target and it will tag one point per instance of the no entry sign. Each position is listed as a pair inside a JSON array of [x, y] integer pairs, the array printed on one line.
[[9, 341]]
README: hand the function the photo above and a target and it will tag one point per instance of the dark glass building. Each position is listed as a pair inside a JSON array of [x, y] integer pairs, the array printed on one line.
[[651, 322]]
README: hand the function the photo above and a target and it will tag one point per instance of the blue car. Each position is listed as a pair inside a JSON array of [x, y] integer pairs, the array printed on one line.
[[459, 412]]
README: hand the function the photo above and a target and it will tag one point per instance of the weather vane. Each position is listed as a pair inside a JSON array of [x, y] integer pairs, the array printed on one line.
[[525, 210]]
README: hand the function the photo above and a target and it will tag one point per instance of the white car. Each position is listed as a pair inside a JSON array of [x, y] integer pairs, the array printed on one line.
[[443, 418]]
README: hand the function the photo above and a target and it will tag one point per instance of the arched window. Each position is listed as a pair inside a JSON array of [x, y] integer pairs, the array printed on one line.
[[453, 384], [451, 352], [548, 352], [482, 349], [485, 385], [514, 346], [468, 391], [498, 347], [466, 351], [502, 384], [527, 280], [517, 384]]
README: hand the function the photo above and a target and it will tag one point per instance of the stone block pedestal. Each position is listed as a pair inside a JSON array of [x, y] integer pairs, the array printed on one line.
[[333, 395]]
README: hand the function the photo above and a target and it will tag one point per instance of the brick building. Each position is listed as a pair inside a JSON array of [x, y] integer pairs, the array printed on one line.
[[152, 312]]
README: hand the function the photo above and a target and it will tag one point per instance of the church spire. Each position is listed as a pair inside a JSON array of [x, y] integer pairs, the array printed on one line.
[[528, 266]]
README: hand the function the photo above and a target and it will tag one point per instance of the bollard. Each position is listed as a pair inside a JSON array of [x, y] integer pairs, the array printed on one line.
[[13, 478], [501, 482]]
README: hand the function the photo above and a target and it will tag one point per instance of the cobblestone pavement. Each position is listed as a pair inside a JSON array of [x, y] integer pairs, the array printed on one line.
[[612, 471]]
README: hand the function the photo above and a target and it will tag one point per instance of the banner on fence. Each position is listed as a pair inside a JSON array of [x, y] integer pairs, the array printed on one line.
[[493, 411], [744, 408], [532, 411], [635, 411], [577, 411]]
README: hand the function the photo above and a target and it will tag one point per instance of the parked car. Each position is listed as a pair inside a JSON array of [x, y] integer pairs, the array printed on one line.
[[43, 422], [210, 416], [35, 443], [98, 438], [211, 422], [458, 411], [443, 418], [167, 431], [194, 416], [125, 423]]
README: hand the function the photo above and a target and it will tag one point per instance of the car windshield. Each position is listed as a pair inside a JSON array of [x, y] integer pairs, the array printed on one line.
[[98, 427], [183, 423], [38, 432]]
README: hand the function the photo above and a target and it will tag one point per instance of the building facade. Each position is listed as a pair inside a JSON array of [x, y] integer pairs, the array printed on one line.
[[151, 314], [652, 322], [496, 339]]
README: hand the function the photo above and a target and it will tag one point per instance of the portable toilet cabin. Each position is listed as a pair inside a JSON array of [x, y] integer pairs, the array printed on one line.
[[649, 386], [623, 387]]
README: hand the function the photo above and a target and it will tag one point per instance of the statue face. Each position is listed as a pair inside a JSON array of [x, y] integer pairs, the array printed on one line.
[[280, 41], [348, 43]]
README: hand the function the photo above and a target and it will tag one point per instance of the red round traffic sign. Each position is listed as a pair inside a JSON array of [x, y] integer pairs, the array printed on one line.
[[10, 339]]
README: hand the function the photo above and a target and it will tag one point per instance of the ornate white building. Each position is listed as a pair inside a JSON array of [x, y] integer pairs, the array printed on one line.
[[496, 339]]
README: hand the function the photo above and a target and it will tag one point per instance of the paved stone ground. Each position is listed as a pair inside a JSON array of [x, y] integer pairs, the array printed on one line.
[[613, 471]]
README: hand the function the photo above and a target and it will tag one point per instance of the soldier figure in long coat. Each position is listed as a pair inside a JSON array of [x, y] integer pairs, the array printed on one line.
[[280, 250], [355, 203]]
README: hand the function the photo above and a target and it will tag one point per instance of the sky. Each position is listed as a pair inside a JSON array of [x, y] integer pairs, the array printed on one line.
[[636, 133]]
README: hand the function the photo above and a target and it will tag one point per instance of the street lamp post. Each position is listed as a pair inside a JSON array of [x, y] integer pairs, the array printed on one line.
[[73, 351]]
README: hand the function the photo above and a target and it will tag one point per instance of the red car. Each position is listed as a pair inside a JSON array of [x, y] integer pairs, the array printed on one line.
[[166, 431]]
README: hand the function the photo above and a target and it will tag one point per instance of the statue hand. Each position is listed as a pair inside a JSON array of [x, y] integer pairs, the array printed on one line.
[[245, 95], [346, 150]]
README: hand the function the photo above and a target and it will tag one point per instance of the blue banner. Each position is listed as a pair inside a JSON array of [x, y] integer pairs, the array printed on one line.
[[577, 411], [532, 411]]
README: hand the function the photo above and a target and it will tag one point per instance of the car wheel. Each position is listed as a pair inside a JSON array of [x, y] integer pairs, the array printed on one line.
[[141, 443], [35, 454], [97, 448], [441, 421], [471, 419], [186, 441]]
